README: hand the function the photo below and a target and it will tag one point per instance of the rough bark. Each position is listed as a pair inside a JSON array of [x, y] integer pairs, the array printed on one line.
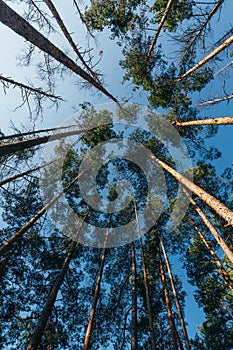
[[152, 333], [15, 22], [134, 332], [221, 270], [220, 208], [96, 296], [180, 314], [215, 52], [8, 244], [214, 232], [40, 327], [212, 121]]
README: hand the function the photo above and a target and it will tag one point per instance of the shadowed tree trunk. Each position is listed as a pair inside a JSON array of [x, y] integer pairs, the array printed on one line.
[[223, 273], [15, 22], [220, 208], [215, 52], [214, 232], [8, 244], [134, 330], [180, 314], [152, 334], [212, 121], [96, 296]]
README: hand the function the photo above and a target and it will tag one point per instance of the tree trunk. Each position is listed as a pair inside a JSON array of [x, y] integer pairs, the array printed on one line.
[[12, 20], [181, 318], [134, 330], [68, 36], [212, 121], [36, 91], [217, 100], [213, 202], [96, 296], [214, 232], [223, 273], [173, 330], [163, 19], [12, 147], [152, 333], [14, 177], [40, 327], [222, 47], [202, 26], [7, 245]]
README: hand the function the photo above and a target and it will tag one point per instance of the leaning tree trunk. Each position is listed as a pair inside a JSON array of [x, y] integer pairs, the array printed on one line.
[[223, 273], [96, 296], [20, 26], [214, 232], [220, 208], [173, 330], [27, 172], [40, 327], [8, 244], [212, 121], [12, 147], [180, 314], [134, 330], [216, 100], [163, 19], [215, 52], [145, 278]]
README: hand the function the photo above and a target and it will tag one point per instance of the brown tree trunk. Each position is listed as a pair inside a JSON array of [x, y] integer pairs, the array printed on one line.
[[163, 19], [173, 330], [8, 244], [214, 232], [217, 100], [96, 296], [68, 36], [152, 333], [213, 202], [221, 47], [223, 273], [12, 20], [14, 177], [36, 91], [212, 121], [202, 26], [40, 327], [134, 330], [12, 147], [180, 314]]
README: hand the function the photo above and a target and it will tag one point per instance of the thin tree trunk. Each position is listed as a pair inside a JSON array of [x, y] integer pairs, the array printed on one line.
[[213, 202], [8, 244], [14, 177], [163, 19], [152, 333], [96, 296], [222, 47], [28, 133], [134, 330], [40, 327], [214, 232], [68, 36], [202, 26], [181, 318], [216, 100], [36, 91], [12, 147], [223, 273], [173, 330], [12, 20], [212, 121]]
